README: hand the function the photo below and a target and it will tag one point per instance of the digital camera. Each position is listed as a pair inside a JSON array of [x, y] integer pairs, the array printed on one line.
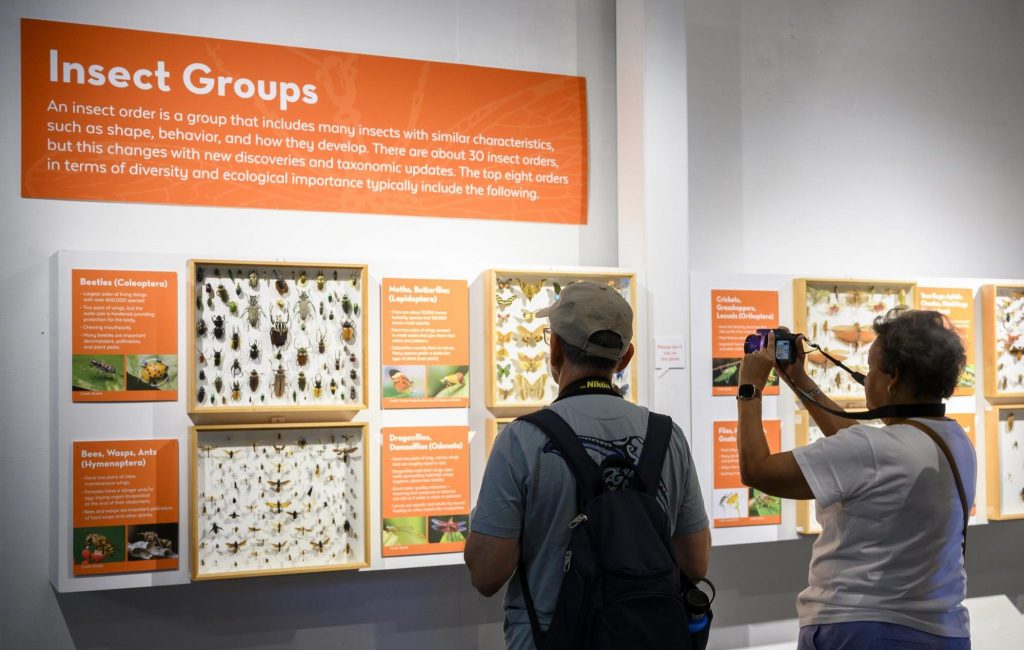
[[785, 344]]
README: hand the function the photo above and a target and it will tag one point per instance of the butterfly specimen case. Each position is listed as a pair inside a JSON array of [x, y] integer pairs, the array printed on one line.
[[1003, 322], [517, 376], [269, 499], [838, 316], [276, 340]]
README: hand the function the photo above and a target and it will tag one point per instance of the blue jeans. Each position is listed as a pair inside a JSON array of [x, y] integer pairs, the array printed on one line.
[[872, 635]]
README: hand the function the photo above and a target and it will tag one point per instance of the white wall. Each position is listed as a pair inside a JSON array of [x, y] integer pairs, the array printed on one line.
[[421, 608]]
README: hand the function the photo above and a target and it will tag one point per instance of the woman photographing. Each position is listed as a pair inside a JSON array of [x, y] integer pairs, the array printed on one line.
[[887, 570]]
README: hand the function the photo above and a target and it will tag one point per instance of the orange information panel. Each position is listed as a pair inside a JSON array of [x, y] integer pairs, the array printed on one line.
[[124, 341], [425, 343], [958, 305], [122, 115], [424, 490], [733, 503], [125, 506], [735, 315]]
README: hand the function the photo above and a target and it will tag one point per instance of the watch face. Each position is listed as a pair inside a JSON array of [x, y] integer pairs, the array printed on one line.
[[747, 391]]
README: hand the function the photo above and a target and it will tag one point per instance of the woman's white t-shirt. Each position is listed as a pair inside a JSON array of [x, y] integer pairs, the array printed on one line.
[[892, 526]]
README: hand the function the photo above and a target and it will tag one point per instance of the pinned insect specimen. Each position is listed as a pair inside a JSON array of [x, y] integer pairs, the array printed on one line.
[[254, 381], [504, 371], [218, 384], [235, 546], [253, 311], [201, 395], [528, 316], [236, 368], [321, 341], [277, 507], [302, 355], [279, 546], [348, 331], [236, 341], [529, 338], [218, 328], [1010, 419], [318, 387], [304, 306], [504, 285], [319, 545], [503, 338], [301, 381], [352, 393], [279, 331], [503, 319], [346, 305], [214, 529], [222, 293], [505, 393], [530, 289], [201, 327], [531, 364], [334, 386], [236, 391], [528, 390]]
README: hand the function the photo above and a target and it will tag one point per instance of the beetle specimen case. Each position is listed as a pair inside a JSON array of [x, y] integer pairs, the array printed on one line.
[[274, 338], [1004, 440], [268, 500], [1003, 318], [518, 379], [838, 316]]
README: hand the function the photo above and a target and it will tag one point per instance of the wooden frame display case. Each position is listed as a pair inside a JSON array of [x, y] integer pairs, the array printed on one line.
[[278, 499], [1004, 450], [1003, 322], [276, 341], [517, 379], [806, 513], [838, 316], [494, 427]]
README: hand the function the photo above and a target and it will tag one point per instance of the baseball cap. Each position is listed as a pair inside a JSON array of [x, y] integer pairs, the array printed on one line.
[[585, 308]]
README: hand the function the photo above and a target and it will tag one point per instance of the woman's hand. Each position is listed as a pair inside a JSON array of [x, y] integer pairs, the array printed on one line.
[[756, 366]]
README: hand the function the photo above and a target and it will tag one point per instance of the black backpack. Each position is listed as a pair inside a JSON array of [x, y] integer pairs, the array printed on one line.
[[621, 586]]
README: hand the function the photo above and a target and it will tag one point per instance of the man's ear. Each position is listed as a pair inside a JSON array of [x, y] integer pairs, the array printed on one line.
[[626, 358]]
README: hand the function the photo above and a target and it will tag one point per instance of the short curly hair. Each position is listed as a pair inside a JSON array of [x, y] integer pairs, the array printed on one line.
[[924, 346]]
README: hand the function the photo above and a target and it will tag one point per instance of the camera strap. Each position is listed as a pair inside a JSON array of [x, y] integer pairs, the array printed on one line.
[[900, 411]]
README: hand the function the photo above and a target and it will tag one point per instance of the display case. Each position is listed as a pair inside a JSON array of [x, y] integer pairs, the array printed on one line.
[[494, 427], [1003, 322], [269, 499], [517, 377], [1004, 451], [276, 341], [806, 512], [838, 316]]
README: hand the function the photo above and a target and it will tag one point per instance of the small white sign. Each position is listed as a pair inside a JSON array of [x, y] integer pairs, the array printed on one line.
[[669, 352]]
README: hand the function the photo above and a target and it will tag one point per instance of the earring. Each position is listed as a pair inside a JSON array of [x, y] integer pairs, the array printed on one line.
[[892, 390]]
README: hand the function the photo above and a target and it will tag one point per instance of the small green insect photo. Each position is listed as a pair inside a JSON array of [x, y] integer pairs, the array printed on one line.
[[764, 505], [404, 531], [97, 372]]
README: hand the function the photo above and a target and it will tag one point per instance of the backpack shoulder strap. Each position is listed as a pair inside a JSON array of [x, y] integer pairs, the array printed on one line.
[[652, 458], [583, 468], [927, 430]]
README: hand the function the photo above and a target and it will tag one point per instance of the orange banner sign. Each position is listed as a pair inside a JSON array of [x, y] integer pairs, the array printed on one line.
[[966, 420], [958, 305], [424, 490], [733, 503], [125, 506], [424, 343], [736, 314], [122, 115], [124, 340]]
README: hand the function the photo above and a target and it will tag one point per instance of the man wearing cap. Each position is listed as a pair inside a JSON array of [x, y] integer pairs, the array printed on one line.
[[528, 495]]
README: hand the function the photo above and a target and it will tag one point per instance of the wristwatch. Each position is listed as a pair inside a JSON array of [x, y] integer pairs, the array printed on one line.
[[748, 392]]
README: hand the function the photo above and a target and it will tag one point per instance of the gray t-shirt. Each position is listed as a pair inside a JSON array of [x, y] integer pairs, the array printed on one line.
[[527, 488], [892, 525]]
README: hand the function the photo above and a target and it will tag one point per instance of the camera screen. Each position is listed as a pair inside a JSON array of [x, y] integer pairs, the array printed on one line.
[[782, 349]]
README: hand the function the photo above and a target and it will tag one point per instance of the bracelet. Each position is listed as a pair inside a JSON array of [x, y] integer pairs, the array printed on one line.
[[812, 394]]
